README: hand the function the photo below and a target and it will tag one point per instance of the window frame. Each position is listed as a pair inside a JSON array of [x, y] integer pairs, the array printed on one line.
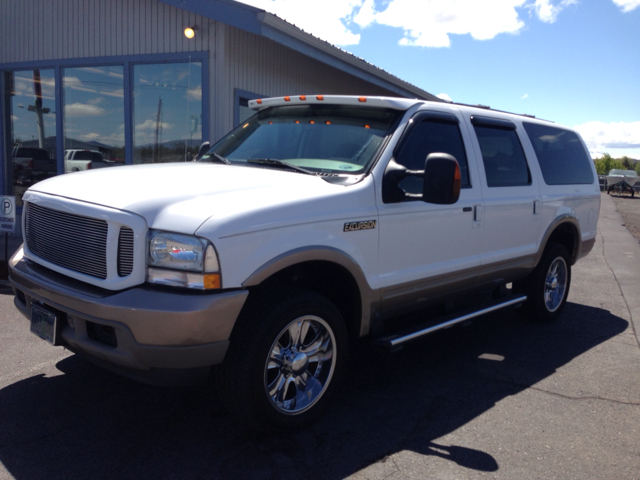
[[504, 125], [127, 62], [433, 116], [239, 95]]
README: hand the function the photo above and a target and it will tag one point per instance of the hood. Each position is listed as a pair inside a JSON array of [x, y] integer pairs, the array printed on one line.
[[182, 196]]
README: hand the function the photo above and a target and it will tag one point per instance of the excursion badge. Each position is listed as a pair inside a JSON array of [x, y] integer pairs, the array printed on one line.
[[354, 226]]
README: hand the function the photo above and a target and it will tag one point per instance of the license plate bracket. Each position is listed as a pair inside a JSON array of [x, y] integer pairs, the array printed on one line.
[[45, 324]]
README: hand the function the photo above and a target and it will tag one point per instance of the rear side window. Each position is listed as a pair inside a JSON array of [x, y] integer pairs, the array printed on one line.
[[504, 162], [561, 155], [430, 136]]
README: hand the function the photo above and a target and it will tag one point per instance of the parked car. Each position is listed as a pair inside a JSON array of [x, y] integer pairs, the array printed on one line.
[[31, 165], [76, 160], [318, 220]]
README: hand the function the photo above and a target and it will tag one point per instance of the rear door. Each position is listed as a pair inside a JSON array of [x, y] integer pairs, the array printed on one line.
[[511, 213]]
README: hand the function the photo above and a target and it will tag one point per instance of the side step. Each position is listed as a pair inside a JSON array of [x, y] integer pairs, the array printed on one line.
[[395, 340]]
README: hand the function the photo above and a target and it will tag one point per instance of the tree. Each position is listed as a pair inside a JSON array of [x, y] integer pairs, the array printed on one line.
[[605, 164], [626, 163]]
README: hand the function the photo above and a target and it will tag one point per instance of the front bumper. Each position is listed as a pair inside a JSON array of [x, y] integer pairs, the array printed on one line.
[[139, 332]]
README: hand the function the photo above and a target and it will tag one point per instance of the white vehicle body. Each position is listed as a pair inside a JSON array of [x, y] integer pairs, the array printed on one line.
[[76, 160], [336, 235]]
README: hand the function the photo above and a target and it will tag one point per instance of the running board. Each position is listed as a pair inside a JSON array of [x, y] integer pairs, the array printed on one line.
[[395, 340]]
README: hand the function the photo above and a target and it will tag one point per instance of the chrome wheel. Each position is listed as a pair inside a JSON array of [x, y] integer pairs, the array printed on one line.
[[555, 284], [300, 365]]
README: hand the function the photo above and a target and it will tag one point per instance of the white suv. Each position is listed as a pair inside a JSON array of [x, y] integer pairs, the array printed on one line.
[[317, 220]]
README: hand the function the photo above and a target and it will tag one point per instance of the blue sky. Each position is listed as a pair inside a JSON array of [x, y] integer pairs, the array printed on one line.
[[575, 62]]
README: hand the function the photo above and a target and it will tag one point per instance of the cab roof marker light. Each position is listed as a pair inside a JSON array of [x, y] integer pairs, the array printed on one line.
[[287, 99], [259, 102], [367, 126], [320, 97], [312, 121], [362, 99], [303, 97]]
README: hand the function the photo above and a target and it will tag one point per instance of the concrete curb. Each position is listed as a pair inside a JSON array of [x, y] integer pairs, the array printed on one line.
[[622, 253]]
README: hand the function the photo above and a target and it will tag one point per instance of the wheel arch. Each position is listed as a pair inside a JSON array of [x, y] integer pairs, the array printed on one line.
[[327, 271], [564, 230]]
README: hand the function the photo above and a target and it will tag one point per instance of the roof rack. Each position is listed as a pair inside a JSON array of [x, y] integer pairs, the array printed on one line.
[[486, 107]]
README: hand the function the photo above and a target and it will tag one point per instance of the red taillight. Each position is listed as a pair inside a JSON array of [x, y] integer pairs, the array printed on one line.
[[89, 166]]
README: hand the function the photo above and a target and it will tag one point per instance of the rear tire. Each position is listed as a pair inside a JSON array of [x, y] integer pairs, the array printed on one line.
[[548, 285], [287, 355]]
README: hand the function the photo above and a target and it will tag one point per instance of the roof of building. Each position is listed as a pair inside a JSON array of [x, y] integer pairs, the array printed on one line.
[[268, 25]]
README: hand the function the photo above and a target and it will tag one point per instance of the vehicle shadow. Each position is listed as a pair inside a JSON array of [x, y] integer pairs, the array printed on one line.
[[89, 423]]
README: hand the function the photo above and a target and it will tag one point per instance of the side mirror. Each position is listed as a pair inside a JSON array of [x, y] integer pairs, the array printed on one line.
[[442, 179], [204, 148]]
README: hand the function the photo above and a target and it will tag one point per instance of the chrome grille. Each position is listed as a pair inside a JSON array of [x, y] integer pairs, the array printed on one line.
[[68, 240], [125, 252]]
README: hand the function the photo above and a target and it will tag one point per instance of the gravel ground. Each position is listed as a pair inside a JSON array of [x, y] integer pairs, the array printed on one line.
[[629, 208]]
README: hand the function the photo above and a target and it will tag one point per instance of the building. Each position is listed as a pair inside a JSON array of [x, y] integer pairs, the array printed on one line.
[[121, 77]]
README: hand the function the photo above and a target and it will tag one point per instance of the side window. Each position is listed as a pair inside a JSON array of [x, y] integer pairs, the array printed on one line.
[[504, 162], [561, 155], [430, 136]]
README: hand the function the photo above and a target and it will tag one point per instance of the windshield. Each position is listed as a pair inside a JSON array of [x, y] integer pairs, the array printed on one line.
[[337, 139]]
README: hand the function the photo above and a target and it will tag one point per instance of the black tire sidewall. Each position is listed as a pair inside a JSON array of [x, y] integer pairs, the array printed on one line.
[[261, 324], [535, 307]]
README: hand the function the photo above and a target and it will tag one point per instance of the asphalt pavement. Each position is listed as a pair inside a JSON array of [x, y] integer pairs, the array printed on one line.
[[501, 398]]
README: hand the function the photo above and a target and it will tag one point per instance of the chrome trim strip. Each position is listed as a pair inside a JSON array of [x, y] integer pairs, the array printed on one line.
[[395, 340]]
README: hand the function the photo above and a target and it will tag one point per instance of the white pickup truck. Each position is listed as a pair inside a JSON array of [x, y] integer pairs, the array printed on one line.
[[77, 160], [319, 219]]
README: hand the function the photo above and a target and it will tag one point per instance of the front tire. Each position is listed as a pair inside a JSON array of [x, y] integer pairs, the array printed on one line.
[[287, 354], [547, 287]]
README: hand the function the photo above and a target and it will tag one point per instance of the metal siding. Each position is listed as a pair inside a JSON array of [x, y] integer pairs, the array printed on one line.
[[40, 30]]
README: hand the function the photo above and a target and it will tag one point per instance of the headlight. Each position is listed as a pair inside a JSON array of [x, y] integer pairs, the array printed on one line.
[[191, 261]]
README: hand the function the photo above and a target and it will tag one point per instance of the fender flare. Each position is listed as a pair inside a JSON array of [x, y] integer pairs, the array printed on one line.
[[577, 241], [311, 253]]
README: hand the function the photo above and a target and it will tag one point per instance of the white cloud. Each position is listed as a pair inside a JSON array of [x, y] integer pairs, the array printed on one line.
[[151, 125], [445, 97], [548, 11], [324, 19], [115, 139], [524, 97], [194, 93], [83, 110], [428, 23], [425, 23], [627, 5], [608, 137]]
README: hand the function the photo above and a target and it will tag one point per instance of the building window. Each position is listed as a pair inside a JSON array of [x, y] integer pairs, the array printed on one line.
[[93, 117], [167, 112], [30, 132]]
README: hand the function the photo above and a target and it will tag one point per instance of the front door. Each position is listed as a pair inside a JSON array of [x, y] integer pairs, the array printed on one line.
[[427, 250]]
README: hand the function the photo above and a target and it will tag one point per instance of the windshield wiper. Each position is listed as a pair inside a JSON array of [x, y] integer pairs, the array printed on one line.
[[210, 158], [272, 161]]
